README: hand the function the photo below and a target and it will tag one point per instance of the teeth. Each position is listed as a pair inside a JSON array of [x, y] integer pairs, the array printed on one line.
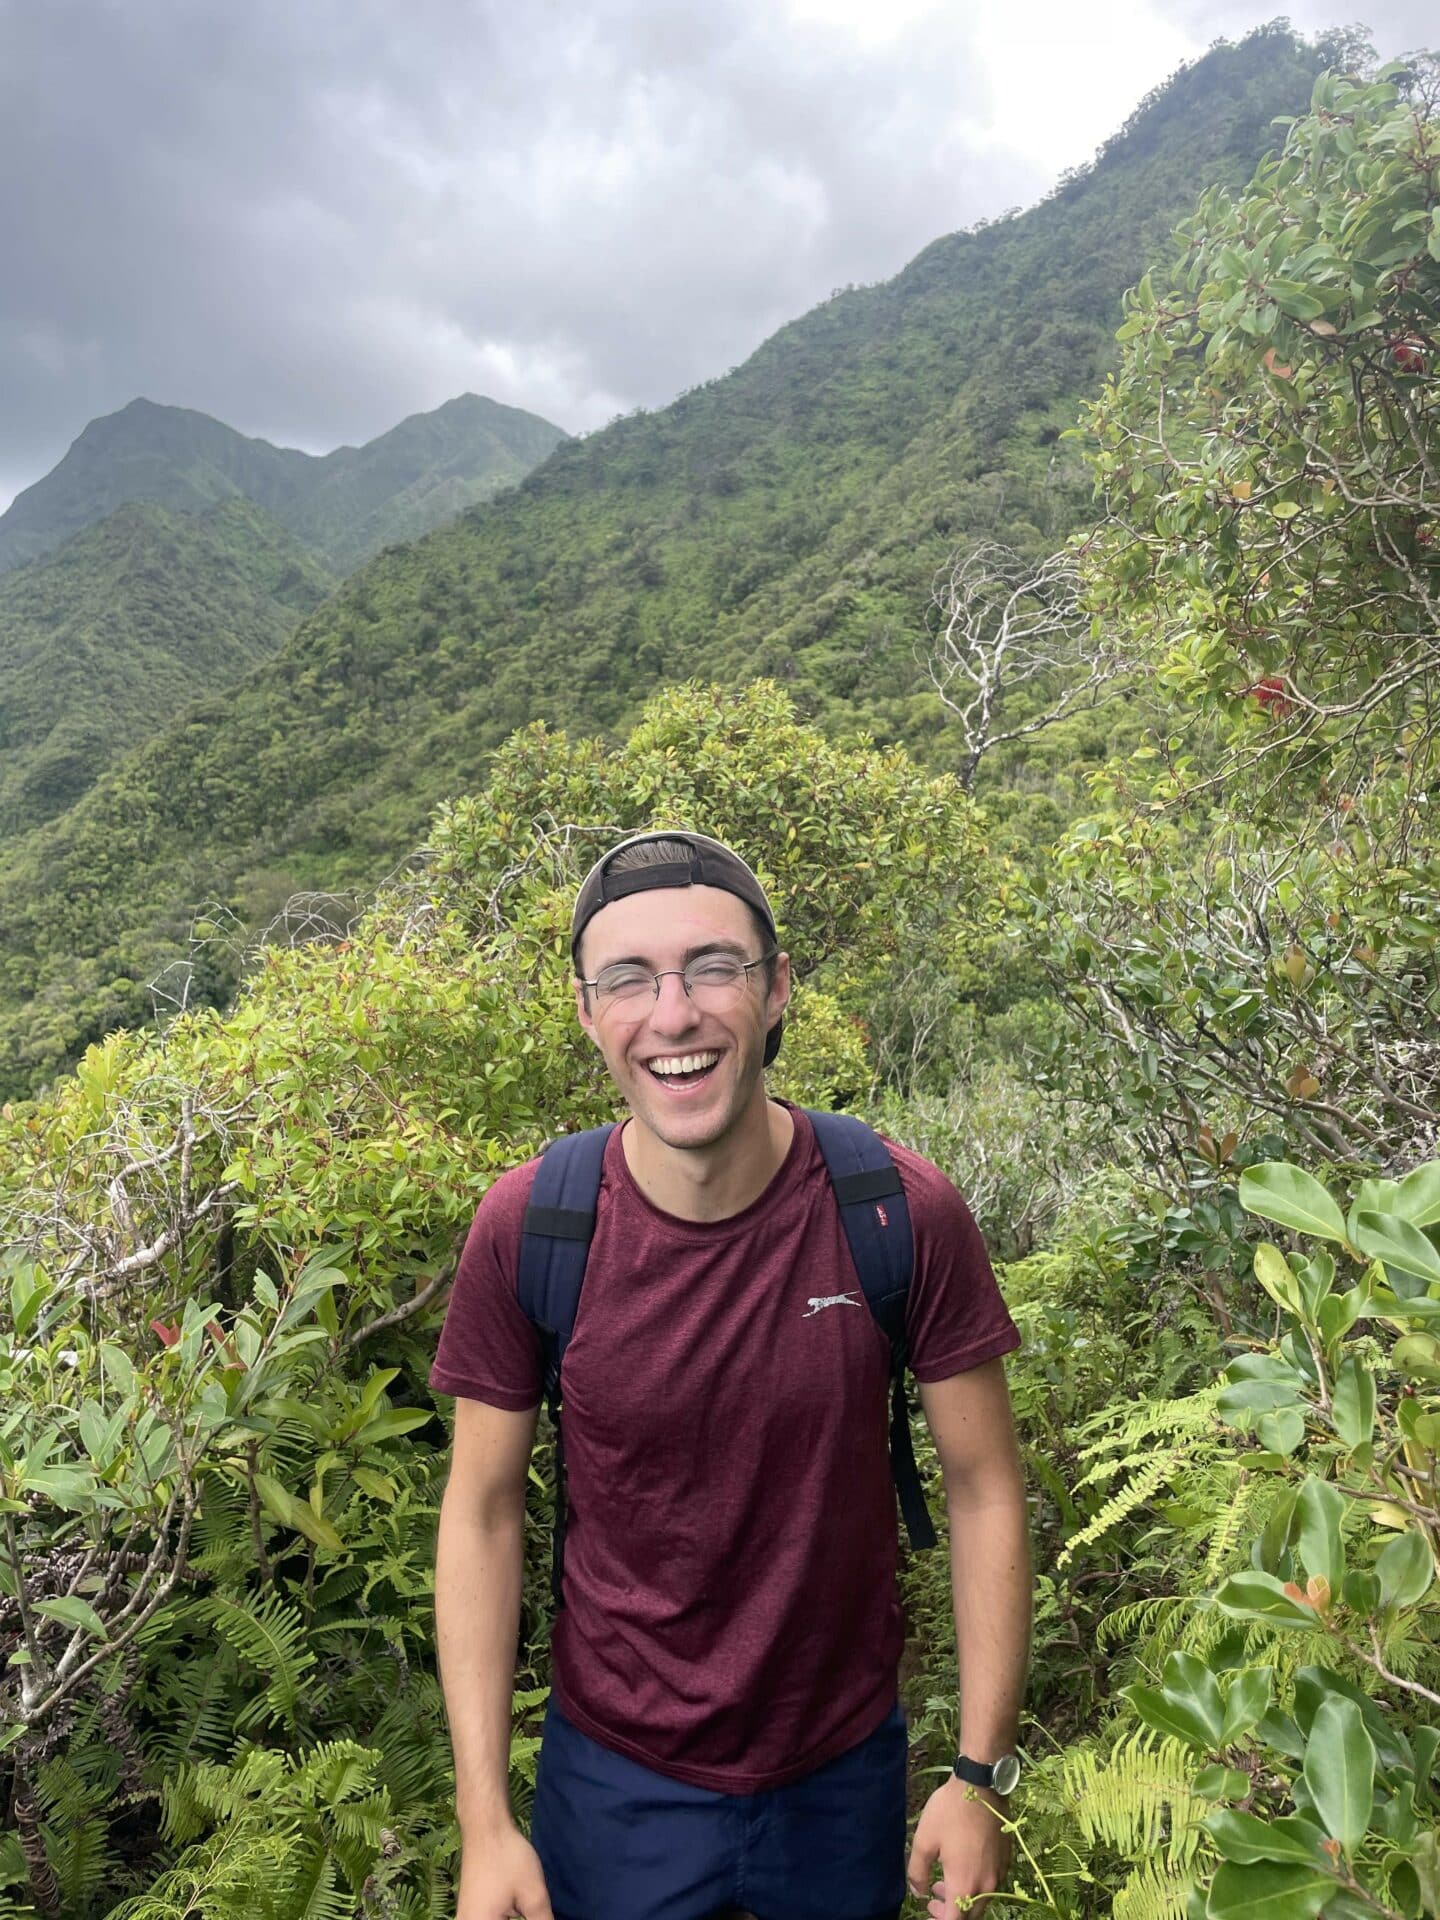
[[684, 1063]]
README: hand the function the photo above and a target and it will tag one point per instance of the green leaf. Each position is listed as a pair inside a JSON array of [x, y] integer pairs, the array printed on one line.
[[1221, 1783], [74, 1612], [1281, 1432], [1405, 1569], [1272, 1270], [1176, 1719], [282, 1505], [1267, 1891], [1384, 1236], [1340, 1770], [1292, 1198], [1240, 1836], [1188, 1680], [1254, 1595], [1319, 1509], [1246, 1700], [1361, 1590], [1418, 1197], [1352, 1405], [394, 1421]]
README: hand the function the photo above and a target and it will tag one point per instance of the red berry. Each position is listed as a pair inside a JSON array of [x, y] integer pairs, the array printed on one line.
[[1407, 350]]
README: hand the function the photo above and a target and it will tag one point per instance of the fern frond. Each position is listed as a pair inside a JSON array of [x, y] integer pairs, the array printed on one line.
[[1131, 1424], [1153, 1893], [1137, 1800], [1156, 1472], [1238, 1514], [271, 1637], [1134, 1623]]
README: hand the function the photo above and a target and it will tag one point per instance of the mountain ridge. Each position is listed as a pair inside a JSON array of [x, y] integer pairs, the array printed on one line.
[[135, 618], [186, 461], [786, 520]]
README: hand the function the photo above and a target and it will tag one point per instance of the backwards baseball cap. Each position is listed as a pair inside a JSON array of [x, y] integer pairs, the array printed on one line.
[[706, 863]]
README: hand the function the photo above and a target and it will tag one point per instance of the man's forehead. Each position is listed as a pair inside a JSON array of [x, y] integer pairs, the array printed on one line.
[[678, 917]]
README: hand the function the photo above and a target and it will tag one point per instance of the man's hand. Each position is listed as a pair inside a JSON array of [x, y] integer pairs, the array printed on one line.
[[961, 1830], [500, 1876]]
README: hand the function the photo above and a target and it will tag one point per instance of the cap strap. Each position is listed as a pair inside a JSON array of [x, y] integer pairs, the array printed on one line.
[[674, 873]]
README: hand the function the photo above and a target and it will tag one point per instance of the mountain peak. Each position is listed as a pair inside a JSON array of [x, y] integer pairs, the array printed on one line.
[[343, 505]]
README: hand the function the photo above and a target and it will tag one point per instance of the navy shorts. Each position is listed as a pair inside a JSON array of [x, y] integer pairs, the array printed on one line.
[[619, 1842]]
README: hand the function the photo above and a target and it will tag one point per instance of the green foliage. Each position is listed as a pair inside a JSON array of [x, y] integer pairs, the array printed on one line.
[[343, 506], [219, 1462], [106, 639], [785, 521]]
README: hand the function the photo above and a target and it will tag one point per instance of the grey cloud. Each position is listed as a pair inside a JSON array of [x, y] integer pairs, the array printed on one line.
[[311, 220], [1393, 26]]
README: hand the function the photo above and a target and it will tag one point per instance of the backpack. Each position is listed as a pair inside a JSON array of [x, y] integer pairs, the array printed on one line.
[[555, 1245]]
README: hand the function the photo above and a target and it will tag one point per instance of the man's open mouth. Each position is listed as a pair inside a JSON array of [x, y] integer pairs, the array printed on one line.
[[683, 1069]]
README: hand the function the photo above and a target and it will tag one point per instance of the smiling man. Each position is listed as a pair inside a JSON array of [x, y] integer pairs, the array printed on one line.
[[724, 1735]]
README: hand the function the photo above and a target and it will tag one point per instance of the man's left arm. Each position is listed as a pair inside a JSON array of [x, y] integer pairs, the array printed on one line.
[[960, 1828]]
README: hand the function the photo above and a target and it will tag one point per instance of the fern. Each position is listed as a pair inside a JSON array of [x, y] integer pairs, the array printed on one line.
[[1136, 1491], [1137, 1800], [271, 1637], [1153, 1893], [1131, 1624], [1241, 1511], [1132, 1423]]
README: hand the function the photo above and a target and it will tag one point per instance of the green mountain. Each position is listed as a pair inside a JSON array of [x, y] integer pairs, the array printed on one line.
[[786, 520], [345, 505], [126, 624]]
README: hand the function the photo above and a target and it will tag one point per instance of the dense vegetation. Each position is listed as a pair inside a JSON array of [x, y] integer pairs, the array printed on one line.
[[126, 625], [344, 505], [785, 520], [1182, 1057]]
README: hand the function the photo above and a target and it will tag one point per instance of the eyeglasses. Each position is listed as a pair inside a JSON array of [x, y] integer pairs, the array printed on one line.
[[715, 981]]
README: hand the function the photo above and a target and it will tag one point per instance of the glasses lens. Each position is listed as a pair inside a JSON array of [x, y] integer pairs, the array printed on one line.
[[716, 981], [615, 985]]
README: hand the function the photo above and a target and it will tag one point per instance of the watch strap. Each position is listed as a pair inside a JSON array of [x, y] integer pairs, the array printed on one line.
[[975, 1773]]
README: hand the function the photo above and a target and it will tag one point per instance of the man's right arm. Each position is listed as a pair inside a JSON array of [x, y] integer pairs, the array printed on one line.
[[478, 1565]]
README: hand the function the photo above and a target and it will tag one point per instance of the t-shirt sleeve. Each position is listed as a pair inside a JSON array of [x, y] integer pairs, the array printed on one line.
[[488, 1349], [956, 1317]]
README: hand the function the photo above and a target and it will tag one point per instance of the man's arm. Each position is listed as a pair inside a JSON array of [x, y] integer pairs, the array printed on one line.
[[969, 1419], [478, 1565]]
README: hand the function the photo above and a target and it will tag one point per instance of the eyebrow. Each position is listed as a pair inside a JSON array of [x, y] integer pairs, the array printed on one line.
[[733, 947]]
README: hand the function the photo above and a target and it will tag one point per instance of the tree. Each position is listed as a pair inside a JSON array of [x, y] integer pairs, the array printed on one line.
[[1003, 622]]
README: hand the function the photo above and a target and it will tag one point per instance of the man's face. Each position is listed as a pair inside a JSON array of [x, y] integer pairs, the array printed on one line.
[[723, 1048]]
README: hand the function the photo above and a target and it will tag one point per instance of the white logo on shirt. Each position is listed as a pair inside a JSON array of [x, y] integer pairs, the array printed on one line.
[[817, 1305]]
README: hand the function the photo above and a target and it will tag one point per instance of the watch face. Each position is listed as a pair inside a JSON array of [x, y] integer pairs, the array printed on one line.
[[1005, 1773]]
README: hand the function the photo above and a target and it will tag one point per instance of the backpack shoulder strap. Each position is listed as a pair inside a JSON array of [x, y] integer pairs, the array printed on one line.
[[876, 1217], [554, 1247]]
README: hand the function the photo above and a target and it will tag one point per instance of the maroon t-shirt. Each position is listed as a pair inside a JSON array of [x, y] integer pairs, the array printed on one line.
[[731, 1612]]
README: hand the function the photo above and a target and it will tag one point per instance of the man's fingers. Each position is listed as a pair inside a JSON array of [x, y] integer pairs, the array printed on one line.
[[920, 1869]]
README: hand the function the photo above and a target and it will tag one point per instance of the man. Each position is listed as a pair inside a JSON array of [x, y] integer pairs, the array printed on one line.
[[723, 1735]]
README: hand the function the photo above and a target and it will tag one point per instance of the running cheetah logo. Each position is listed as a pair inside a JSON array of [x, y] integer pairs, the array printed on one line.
[[819, 1304]]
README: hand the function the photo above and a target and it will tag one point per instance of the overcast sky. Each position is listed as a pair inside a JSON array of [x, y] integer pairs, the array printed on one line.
[[312, 219]]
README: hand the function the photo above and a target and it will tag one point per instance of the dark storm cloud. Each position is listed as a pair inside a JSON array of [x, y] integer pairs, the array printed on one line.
[[313, 219]]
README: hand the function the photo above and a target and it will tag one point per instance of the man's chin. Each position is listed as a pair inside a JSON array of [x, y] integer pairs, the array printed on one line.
[[701, 1124]]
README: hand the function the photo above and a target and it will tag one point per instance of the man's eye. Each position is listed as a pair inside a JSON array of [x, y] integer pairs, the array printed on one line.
[[625, 981], [713, 973]]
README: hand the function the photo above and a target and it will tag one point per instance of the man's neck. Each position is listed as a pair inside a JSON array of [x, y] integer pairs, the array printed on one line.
[[711, 1183]]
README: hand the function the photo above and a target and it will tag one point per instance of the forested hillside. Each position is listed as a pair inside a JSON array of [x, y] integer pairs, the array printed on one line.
[[344, 505], [115, 633], [785, 520], [1180, 1053]]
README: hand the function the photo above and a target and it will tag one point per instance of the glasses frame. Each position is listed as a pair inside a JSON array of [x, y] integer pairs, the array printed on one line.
[[746, 967]]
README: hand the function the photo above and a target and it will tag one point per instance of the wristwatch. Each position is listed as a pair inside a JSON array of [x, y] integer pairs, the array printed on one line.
[[1000, 1777]]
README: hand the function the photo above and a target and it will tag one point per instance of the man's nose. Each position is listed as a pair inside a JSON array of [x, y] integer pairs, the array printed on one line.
[[674, 1009]]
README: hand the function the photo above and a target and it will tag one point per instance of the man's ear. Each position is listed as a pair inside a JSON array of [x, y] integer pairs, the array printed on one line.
[[583, 1013], [779, 996]]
